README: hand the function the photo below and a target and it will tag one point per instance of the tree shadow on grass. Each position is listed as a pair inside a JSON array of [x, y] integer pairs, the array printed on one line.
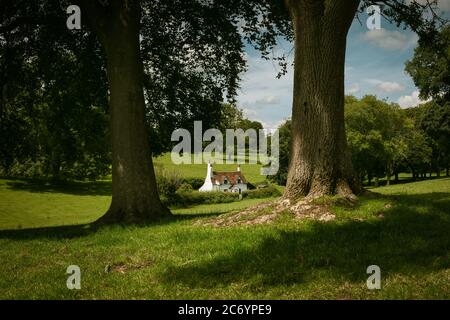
[[80, 188], [413, 236], [58, 232], [82, 230]]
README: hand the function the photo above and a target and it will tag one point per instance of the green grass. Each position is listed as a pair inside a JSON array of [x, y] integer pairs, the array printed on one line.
[[30, 204], [405, 231], [33, 204], [402, 178]]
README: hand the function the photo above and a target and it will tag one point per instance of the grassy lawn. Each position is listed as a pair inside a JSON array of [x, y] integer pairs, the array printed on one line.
[[27, 204], [405, 230]]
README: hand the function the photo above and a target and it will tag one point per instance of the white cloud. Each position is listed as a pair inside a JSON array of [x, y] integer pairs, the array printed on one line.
[[386, 86], [390, 40], [249, 113], [354, 88], [267, 122], [262, 96], [267, 100], [411, 100], [390, 87], [260, 84], [273, 125]]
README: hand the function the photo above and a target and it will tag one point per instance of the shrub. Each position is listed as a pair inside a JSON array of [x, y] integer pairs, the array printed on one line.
[[191, 197], [168, 182], [185, 187], [267, 192], [89, 168], [196, 183], [187, 197], [220, 197]]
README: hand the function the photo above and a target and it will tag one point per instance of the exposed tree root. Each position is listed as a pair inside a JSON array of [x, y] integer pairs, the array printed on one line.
[[267, 212], [308, 208], [259, 214]]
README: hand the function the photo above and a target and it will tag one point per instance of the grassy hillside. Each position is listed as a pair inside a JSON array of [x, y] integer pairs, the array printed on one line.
[[251, 171], [404, 230]]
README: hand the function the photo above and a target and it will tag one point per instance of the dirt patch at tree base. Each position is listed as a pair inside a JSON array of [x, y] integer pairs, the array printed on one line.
[[268, 212]]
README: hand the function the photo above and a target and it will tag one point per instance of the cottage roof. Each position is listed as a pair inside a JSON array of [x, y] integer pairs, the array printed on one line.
[[232, 177]]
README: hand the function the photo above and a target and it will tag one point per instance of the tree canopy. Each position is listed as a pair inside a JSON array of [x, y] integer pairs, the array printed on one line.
[[430, 67], [192, 56]]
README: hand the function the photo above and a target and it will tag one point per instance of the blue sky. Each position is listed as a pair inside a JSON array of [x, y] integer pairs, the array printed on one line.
[[375, 62]]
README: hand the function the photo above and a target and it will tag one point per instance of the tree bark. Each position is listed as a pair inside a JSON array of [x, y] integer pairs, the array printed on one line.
[[320, 161], [135, 196], [389, 171]]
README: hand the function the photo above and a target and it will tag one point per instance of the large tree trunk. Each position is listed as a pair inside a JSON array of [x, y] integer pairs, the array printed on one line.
[[320, 161], [135, 196]]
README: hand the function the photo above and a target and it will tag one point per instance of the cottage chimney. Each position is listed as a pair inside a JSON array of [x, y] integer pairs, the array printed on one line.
[[207, 186]]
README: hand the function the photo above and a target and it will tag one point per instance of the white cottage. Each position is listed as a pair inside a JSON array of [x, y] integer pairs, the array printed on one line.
[[224, 181]]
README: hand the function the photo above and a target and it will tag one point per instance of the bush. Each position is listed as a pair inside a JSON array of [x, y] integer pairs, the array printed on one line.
[[185, 187], [267, 192], [220, 197], [90, 168], [195, 183], [185, 197], [168, 182], [27, 169]]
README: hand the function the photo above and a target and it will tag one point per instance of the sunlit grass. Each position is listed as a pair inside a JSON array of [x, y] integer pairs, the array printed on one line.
[[405, 231]]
